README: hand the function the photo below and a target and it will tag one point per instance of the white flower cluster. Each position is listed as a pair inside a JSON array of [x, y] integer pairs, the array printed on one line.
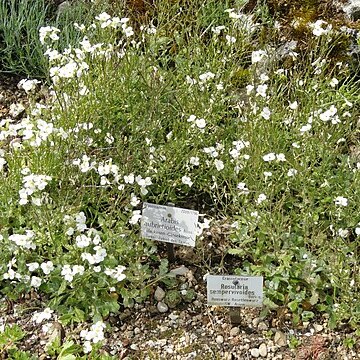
[[11, 274], [40, 316], [320, 27], [24, 240], [48, 32], [47, 267], [199, 122], [116, 273], [68, 273], [94, 335], [28, 85], [106, 20], [32, 185]]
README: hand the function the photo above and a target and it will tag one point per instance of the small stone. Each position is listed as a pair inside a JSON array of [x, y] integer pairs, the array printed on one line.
[[280, 338], [162, 307], [173, 316], [255, 353], [134, 347], [181, 271], [219, 339], [262, 326], [234, 331], [256, 322], [63, 7], [159, 294], [137, 331], [318, 327], [263, 350]]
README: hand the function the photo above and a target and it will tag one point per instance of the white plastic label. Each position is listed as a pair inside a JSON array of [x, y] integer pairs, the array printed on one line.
[[228, 290], [169, 224]]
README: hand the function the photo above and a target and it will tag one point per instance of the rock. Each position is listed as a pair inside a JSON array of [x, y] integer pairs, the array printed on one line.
[[318, 327], [162, 307], [159, 294], [352, 10], [262, 326], [63, 8], [56, 335], [234, 331], [263, 350], [256, 322], [181, 271], [134, 347], [255, 353], [219, 339], [280, 338]]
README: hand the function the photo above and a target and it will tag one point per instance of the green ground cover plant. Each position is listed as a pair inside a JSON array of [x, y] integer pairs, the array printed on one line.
[[208, 116], [21, 52]]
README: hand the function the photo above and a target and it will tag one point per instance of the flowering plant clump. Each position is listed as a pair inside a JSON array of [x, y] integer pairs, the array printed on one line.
[[237, 131]]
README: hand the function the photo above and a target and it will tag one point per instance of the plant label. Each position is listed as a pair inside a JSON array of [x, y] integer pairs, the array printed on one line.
[[234, 291], [169, 224]]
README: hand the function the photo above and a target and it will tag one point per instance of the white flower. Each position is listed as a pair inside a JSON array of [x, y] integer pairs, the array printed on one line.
[[318, 28], [219, 165], [87, 347], [334, 82], [39, 317], [269, 157], [242, 187], [230, 39], [35, 281], [280, 157], [206, 76], [292, 172], [48, 31], [249, 89], [191, 118], [32, 266], [257, 56], [134, 201], [28, 85], [194, 161], [186, 180], [294, 105], [261, 198], [136, 216], [129, 179], [343, 233], [267, 174], [341, 201], [200, 123], [357, 231], [116, 273], [305, 128], [261, 90], [47, 267], [266, 113], [216, 30]]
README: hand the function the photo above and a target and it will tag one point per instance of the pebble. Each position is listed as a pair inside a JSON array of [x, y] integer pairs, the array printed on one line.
[[134, 347], [263, 350], [280, 338], [181, 271], [262, 326], [162, 307], [234, 331], [159, 294], [318, 327], [219, 339], [255, 353]]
